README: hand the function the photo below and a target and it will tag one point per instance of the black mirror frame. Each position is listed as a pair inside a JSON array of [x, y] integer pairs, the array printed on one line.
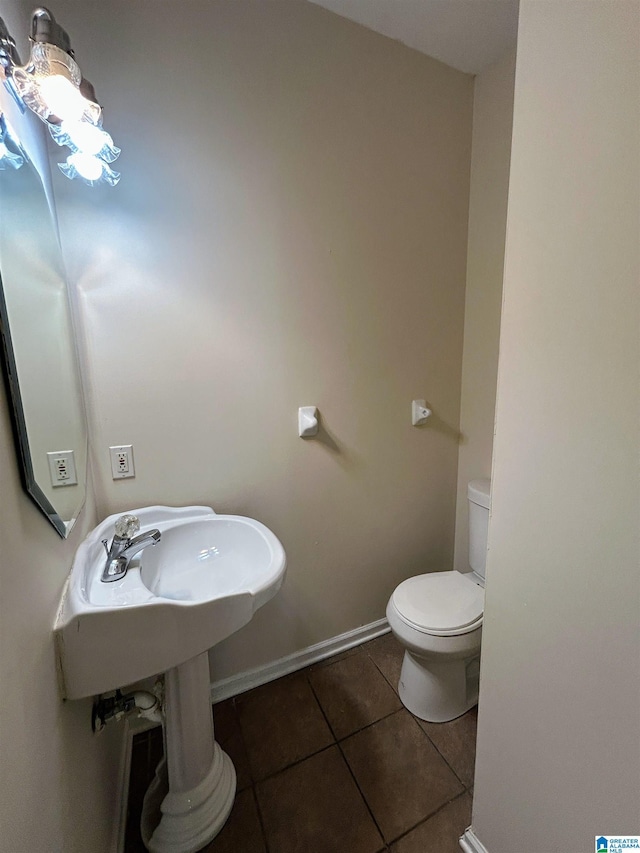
[[19, 425]]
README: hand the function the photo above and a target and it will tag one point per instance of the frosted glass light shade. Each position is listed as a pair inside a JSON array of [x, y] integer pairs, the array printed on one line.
[[86, 137], [50, 86], [88, 168]]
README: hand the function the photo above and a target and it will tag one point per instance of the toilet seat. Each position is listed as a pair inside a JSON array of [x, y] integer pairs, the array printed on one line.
[[441, 604]]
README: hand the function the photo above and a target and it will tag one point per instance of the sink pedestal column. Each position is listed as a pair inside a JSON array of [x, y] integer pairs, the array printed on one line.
[[195, 784]]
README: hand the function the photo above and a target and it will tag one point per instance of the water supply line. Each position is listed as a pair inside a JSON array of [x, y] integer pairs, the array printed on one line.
[[119, 705]]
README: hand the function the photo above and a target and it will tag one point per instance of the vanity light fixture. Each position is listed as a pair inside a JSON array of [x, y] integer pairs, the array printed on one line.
[[8, 159], [52, 86]]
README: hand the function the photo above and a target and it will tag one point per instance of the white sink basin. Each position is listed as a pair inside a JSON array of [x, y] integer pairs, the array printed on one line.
[[204, 580]]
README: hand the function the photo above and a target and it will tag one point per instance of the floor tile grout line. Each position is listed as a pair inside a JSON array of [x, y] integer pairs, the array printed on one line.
[[429, 817], [362, 728], [440, 753], [252, 785], [336, 740], [260, 817], [443, 756], [319, 703], [364, 799], [393, 687], [435, 745], [431, 814], [305, 672], [450, 766], [339, 741], [294, 763], [236, 714], [351, 773], [297, 760], [329, 661], [369, 725], [325, 748]]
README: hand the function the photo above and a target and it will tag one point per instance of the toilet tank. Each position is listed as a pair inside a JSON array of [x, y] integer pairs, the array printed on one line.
[[479, 494]]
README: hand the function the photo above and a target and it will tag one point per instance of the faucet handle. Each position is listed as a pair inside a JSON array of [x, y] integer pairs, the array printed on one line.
[[127, 526]]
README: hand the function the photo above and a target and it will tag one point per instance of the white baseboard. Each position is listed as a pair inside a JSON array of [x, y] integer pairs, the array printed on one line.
[[235, 684], [470, 842]]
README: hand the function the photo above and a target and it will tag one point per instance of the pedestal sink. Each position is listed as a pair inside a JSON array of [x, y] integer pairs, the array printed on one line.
[[204, 580]]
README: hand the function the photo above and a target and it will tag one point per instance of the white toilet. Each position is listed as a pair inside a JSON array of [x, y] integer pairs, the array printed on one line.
[[438, 618]]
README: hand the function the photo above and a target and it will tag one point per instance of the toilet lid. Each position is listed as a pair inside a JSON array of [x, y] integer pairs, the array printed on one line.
[[440, 603]]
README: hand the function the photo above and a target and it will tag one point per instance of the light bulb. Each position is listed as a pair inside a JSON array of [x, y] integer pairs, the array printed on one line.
[[86, 137], [86, 165], [62, 98]]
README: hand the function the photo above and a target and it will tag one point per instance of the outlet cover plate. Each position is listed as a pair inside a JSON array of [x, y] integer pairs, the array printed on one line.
[[62, 468], [122, 461]]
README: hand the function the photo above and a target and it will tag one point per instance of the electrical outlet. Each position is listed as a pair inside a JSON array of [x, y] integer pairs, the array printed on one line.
[[62, 468], [122, 461]]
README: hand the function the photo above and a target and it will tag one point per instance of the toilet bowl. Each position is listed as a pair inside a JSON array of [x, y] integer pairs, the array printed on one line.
[[438, 619]]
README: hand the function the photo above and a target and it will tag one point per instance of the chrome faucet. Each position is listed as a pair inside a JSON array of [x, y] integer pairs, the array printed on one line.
[[124, 548]]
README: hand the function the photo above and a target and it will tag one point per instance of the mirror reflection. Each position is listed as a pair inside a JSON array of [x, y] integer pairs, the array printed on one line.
[[40, 360]]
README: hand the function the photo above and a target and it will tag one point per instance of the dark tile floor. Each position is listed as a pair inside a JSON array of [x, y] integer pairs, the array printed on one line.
[[329, 761]]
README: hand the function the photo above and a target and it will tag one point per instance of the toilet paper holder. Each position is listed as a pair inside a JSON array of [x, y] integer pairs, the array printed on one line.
[[307, 421]]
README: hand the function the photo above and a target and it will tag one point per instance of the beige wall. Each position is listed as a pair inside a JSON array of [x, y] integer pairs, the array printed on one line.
[[58, 783], [290, 230], [490, 154], [558, 756]]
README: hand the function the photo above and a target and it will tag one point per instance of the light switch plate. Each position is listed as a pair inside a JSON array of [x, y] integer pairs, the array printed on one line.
[[122, 461]]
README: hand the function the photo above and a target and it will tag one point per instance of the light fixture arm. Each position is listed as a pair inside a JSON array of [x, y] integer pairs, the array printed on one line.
[[45, 28]]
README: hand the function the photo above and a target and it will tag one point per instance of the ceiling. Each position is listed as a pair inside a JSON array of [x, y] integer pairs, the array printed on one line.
[[468, 34]]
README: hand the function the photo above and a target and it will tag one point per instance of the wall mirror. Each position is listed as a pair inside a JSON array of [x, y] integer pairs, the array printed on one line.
[[40, 362]]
